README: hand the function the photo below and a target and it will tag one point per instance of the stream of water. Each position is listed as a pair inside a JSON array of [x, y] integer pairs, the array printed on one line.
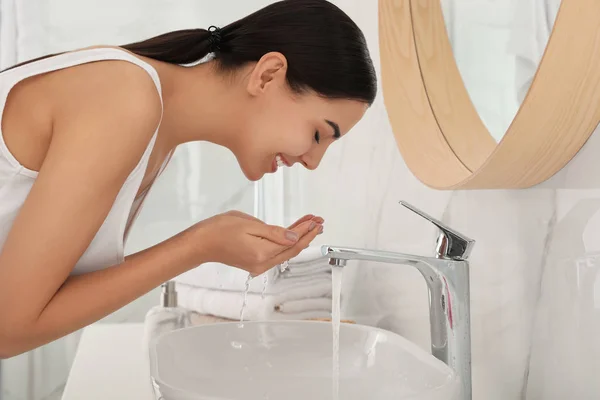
[[336, 283], [246, 290]]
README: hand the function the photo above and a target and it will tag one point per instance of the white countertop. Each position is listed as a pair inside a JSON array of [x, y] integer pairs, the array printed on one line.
[[110, 364]]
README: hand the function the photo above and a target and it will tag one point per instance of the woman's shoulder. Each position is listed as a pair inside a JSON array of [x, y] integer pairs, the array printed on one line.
[[100, 97], [101, 86], [113, 101]]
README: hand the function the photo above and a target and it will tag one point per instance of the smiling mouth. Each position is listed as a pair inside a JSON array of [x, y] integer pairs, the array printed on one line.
[[283, 160], [279, 161]]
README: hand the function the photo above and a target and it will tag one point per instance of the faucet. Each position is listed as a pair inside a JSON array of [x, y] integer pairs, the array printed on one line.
[[447, 277]]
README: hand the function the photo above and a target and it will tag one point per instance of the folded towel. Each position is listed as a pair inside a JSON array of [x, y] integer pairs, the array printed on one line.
[[293, 304], [297, 271], [302, 284], [223, 277], [219, 276], [308, 262], [298, 306], [309, 255]]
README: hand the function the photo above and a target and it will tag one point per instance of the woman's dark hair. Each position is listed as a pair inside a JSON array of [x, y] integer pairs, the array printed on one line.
[[325, 50]]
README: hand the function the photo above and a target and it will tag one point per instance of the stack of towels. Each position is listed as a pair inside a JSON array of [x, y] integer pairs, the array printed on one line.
[[302, 291]]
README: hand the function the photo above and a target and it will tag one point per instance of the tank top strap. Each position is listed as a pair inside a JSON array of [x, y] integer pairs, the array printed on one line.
[[9, 78]]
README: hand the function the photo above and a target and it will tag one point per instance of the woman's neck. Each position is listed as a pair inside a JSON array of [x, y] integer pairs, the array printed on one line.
[[198, 105]]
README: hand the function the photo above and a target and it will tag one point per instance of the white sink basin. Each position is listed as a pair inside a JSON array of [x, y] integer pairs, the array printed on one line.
[[293, 361]]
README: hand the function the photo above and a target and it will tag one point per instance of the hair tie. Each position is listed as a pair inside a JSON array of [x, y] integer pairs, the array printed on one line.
[[214, 39]]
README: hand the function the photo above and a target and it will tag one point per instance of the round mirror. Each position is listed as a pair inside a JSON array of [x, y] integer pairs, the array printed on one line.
[[490, 94], [497, 46]]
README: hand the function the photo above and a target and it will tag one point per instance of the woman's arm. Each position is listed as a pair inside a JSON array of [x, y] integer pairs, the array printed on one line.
[[99, 135], [84, 299]]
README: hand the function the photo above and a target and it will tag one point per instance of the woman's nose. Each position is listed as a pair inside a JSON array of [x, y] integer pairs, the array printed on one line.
[[311, 162]]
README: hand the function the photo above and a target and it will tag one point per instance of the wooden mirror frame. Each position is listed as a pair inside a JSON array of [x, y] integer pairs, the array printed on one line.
[[438, 131]]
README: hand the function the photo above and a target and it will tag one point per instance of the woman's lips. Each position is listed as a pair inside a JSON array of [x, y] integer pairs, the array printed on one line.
[[279, 161], [285, 161]]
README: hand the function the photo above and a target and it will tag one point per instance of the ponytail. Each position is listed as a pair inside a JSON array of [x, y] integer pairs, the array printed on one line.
[[179, 47]]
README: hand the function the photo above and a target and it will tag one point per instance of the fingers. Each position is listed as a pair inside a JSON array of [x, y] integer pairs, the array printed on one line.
[[301, 220], [283, 236], [276, 234], [302, 244], [318, 220], [306, 227], [307, 232], [308, 217]]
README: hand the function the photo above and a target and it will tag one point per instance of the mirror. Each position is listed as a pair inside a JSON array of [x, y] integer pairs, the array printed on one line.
[[477, 103], [497, 46]]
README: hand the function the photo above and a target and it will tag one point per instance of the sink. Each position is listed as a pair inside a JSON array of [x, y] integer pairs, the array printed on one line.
[[292, 360]]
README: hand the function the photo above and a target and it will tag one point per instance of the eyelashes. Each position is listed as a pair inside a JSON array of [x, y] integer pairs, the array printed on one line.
[[317, 137]]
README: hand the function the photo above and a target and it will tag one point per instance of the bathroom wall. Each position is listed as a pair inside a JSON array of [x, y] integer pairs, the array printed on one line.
[[535, 268]]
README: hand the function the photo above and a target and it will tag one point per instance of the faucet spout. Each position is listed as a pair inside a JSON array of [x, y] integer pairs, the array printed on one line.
[[449, 302]]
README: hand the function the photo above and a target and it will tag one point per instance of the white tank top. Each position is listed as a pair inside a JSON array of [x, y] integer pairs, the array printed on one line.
[[107, 247]]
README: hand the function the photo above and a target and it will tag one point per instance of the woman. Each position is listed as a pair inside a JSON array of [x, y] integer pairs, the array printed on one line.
[[86, 133]]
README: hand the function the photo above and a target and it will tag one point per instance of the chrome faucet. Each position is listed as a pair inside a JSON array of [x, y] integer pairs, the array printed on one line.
[[447, 277]]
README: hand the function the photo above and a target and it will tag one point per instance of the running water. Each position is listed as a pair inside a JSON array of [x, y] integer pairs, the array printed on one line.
[[336, 283], [265, 283], [284, 266], [246, 290]]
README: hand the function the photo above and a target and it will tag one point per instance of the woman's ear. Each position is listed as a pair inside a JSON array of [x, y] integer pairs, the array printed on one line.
[[269, 71]]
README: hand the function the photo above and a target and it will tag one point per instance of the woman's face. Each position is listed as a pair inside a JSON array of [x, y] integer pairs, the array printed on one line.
[[277, 123]]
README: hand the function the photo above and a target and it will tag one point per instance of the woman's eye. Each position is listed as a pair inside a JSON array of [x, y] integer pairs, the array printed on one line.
[[317, 136]]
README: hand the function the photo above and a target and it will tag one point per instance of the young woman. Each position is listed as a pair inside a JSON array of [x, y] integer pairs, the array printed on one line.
[[84, 134]]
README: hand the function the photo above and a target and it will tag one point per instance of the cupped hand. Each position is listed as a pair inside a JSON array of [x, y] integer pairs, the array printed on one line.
[[243, 241]]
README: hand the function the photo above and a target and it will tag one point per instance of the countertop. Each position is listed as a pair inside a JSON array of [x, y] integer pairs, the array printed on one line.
[[110, 364]]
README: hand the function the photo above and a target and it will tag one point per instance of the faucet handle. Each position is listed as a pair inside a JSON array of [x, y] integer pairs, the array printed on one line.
[[450, 244]]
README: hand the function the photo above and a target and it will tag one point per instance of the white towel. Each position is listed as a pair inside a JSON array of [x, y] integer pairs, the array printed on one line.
[[223, 277], [299, 306], [298, 271], [309, 255], [309, 262], [304, 303], [283, 285], [302, 291]]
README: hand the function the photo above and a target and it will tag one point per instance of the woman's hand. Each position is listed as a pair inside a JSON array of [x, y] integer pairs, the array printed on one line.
[[245, 242]]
